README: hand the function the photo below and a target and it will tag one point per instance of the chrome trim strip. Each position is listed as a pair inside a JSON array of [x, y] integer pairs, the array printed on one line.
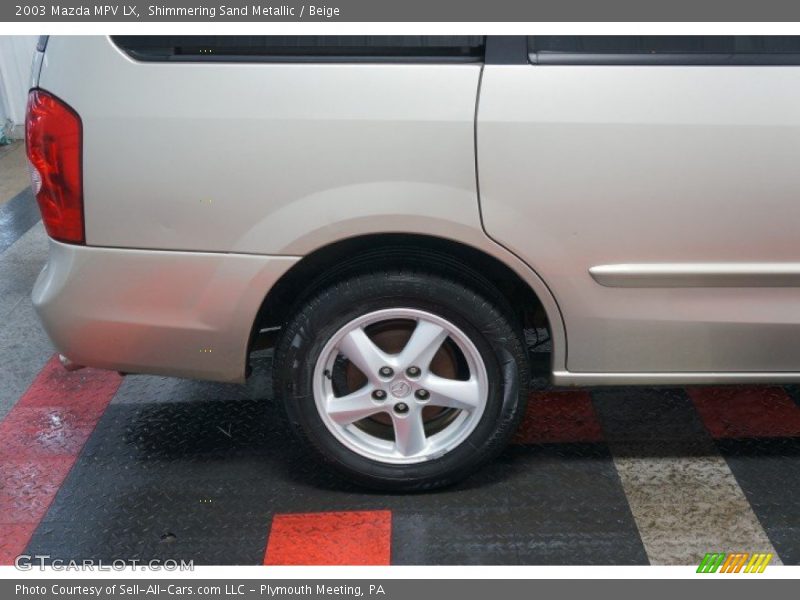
[[667, 275], [568, 378]]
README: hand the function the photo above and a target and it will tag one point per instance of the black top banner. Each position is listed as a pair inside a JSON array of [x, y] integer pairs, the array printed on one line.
[[402, 10]]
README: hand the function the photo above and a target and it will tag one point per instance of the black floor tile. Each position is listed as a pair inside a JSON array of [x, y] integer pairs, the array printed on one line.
[[648, 415], [582, 548], [454, 537]]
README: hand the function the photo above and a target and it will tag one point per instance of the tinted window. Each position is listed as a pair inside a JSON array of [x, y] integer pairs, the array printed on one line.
[[302, 47], [667, 49]]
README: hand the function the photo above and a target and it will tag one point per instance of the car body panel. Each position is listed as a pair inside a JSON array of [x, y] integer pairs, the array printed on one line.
[[267, 158], [688, 169], [271, 161], [186, 314], [650, 208]]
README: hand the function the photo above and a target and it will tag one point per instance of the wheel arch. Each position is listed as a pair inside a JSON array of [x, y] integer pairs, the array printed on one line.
[[512, 281]]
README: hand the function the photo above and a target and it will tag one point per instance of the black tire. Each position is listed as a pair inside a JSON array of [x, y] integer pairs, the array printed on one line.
[[489, 328]]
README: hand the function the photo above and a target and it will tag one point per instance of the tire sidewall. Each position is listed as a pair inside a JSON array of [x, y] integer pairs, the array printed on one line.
[[486, 327]]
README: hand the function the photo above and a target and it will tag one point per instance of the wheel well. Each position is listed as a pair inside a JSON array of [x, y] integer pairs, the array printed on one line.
[[362, 254]]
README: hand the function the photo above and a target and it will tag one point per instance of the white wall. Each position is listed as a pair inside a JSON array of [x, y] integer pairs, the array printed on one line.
[[16, 53]]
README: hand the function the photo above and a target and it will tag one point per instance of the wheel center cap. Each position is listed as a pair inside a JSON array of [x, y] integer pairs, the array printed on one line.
[[400, 389]]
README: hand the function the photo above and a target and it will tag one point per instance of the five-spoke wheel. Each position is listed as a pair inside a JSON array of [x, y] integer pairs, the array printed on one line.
[[404, 385], [402, 380]]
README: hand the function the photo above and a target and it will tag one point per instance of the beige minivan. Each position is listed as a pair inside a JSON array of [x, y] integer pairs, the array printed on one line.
[[396, 212]]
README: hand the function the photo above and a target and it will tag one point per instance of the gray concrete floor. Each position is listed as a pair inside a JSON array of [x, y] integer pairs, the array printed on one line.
[[24, 346], [13, 171]]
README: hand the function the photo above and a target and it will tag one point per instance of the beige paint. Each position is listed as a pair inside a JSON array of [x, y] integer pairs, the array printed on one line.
[[662, 168], [688, 171], [245, 164], [186, 314]]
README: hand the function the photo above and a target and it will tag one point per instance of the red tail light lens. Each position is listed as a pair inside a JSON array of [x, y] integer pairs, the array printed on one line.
[[53, 137]]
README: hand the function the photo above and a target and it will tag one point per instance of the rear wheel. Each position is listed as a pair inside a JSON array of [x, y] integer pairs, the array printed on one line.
[[402, 380]]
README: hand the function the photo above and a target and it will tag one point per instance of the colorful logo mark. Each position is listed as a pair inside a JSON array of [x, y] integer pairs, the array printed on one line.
[[736, 562]]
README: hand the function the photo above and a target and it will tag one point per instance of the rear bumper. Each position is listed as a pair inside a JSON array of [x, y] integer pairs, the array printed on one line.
[[186, 314]]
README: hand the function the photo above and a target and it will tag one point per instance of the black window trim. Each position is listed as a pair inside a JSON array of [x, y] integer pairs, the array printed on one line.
[[506, 50], [593, 58], [496, 49], [665, 58], [342, 54], [304, 58]]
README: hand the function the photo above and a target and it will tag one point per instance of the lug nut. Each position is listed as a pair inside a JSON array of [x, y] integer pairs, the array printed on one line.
[[386, 371], [401, 408], [379, 395], [422, 394], [413, 371]]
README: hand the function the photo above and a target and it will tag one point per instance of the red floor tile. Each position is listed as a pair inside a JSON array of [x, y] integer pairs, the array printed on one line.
[[28, 486], [40, 440], [330, 538], [746, 411], [14, 536], [87, 391], [559, 417], [43, 431]]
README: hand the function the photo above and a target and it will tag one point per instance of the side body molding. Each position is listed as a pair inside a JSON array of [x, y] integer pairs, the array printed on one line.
[[666, 275]]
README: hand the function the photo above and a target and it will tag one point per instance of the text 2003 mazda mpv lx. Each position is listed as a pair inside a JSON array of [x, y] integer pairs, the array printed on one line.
[[401, 209]]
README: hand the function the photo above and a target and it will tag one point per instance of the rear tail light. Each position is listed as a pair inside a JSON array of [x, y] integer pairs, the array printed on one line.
[[53, 137]]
